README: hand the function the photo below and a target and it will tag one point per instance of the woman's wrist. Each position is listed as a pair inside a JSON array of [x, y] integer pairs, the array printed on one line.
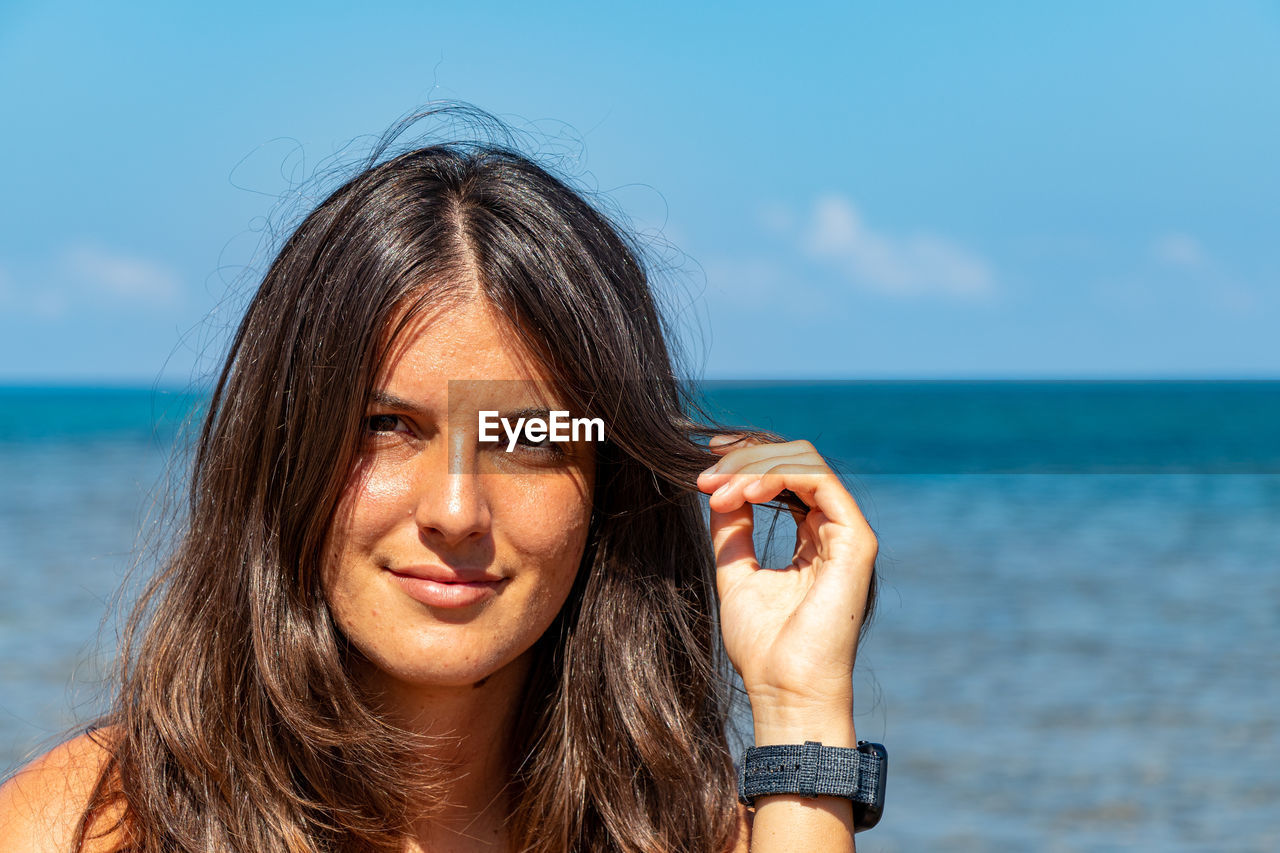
[[779, 720], [793, 821]]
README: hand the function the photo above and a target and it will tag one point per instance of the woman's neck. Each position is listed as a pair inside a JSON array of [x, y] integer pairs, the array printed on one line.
[[474, 724]]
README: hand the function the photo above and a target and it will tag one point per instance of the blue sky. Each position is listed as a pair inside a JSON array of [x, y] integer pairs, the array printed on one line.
[[843, 190]]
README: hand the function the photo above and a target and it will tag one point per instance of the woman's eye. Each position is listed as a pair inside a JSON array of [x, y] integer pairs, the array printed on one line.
[[541, 447], [384, 423]]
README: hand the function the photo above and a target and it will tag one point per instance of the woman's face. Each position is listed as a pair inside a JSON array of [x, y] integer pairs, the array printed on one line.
[[449, 556]]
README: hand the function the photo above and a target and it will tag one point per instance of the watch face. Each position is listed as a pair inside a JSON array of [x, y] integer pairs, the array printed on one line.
[[867, 814]]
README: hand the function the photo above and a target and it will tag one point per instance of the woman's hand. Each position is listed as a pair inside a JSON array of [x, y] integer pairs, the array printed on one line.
[[792, 634]]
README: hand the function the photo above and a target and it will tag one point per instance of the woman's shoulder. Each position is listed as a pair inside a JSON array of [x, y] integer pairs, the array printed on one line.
[[42, 803]]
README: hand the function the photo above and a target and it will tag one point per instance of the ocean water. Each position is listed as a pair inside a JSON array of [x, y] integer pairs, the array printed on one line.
[[1078, 638]]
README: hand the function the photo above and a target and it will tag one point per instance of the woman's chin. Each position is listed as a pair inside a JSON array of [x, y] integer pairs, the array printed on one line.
[[440, 674]]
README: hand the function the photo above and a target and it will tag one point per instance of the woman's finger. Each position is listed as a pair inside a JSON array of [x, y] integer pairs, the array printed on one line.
[[827, 493], [815, 484], [763, 482], [727, 441], [749, 460], [750, 449], [735, 550]]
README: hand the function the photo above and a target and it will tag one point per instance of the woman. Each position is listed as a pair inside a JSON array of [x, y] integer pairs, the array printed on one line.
[[383, 630]]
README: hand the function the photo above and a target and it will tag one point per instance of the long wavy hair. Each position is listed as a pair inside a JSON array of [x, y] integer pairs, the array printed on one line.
[[238, 725]]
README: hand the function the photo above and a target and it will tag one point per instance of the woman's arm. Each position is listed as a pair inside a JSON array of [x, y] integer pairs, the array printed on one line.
[[792, 633], [794, 822]]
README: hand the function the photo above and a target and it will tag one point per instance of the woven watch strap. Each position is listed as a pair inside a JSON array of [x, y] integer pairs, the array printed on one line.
[[808, 770]]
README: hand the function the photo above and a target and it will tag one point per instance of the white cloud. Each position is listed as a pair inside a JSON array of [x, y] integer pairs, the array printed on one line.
[[760, 285], [50, 304], [1176, 272], [1186, 260], [1180, 250], [779, 218], [897, 265], [120, 275], [47, 303]]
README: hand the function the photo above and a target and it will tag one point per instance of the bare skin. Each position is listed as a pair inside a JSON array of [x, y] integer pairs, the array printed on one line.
[[41, 804], [792, 634], [429, 494]]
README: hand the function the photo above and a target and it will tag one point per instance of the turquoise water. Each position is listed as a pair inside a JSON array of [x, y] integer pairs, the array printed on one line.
[[1077, 644]]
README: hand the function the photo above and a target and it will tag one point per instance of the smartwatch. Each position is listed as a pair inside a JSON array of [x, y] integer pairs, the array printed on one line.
[[813, 770]]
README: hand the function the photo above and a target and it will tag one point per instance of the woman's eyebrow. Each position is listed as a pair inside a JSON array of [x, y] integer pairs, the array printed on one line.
[[527, 413], [391, 401]]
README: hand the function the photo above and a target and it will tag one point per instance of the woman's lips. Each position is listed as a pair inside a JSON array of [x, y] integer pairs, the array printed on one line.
[[437, 587]]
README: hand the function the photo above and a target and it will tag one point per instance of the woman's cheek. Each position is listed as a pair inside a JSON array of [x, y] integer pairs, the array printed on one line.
[[549, 513], [384, 491]]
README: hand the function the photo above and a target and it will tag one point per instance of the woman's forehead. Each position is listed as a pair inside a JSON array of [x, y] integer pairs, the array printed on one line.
[[466, 352]]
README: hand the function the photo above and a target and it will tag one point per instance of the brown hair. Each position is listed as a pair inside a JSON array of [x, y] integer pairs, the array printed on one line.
[[237, 726]]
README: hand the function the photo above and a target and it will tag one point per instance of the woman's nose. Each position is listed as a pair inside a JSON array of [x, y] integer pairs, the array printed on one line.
[[452, 504]]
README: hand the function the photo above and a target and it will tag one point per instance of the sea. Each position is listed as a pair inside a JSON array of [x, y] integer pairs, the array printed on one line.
[[1077, 639]]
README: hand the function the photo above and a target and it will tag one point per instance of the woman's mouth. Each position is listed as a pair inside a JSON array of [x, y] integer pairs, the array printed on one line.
[[436, 586]]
